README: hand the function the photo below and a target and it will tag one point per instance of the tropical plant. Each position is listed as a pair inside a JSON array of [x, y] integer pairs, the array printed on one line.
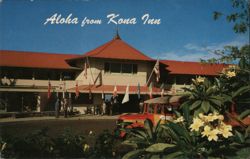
[[206, 96], [147, 141], [205, 136], [203, 97], [106, 145], [69, 144], [35, 144]]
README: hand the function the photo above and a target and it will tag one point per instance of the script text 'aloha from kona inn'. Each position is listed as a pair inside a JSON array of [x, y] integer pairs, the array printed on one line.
[[112, 18]]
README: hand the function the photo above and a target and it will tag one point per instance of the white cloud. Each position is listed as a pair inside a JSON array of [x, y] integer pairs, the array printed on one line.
[[195, 52], [186, 57], [1, 1], [194, 47], [212, 47]]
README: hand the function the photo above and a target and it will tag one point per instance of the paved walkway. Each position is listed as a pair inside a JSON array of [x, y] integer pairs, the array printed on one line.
[[82, 117]]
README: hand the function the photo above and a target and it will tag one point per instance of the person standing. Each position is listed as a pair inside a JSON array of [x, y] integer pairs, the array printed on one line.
[[57, 108], [65, 107], [104, 105], [111, 106]]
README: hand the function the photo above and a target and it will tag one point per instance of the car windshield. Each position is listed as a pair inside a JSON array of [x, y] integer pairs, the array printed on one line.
[[151, 108]]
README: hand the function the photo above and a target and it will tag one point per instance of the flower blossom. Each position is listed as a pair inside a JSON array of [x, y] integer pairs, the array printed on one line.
[[199, 80], [230, 74], [85, 147], [179, 120], [225, 130], [197, 123], [207, 128], [207, 131], [213, 135]]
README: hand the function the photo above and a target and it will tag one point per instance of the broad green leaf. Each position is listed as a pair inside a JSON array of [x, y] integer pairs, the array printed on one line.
[[215, 101], [198, 111], [239, 137], [240, 91], [180, 131], [148, 125], [244, 114], [175, 154], [244, 101], [195, 104], [128, 142], [178, 114], [171, 132], [210, 90], [139, 134], [133, 154], [227, 98], [217, 97], [205, 105], [247, 132], [242, 153], [159, 147], [186, 112], [158, 128], [185, 104]]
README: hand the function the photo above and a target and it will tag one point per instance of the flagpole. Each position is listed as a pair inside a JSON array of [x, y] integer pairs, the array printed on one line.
[[152, 72], [90, 70], [150, 77]]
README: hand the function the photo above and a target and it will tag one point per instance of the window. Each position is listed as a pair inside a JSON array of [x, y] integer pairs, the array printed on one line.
[[115, 68], [120, 68], [106, 67], [127, 68], [134, 68]]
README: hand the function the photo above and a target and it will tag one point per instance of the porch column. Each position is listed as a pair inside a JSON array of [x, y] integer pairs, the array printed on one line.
[[38, 105]]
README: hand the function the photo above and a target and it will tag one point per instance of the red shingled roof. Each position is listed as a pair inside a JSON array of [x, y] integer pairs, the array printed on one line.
[[34, 60], [193, 68], [120, 89], [117, 49]]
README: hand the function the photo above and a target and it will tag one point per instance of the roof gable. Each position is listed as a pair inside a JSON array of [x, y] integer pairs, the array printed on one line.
[[117, 49]]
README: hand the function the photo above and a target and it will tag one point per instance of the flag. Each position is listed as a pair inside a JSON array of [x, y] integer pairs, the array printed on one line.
[[151, 90], [162, 92], [103, 95], [115, 91], [139, 91], [85, 70], [126, 96], [77, 90], [49, 89], [157, 70]]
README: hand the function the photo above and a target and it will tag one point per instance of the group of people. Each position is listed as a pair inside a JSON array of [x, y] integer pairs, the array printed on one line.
[[63, 104], [106, 108]]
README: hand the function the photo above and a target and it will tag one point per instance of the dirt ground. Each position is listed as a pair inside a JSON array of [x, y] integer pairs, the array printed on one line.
[[83, 125]]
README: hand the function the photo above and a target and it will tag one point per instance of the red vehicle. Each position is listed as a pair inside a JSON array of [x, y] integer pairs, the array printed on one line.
[[154, 110], [162, 108]]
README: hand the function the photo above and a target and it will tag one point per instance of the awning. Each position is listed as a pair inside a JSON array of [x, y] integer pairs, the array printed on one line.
[[164, 100], [120, 89]]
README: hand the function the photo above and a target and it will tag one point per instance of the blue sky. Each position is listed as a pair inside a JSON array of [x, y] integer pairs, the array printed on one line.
[[187, 30]]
